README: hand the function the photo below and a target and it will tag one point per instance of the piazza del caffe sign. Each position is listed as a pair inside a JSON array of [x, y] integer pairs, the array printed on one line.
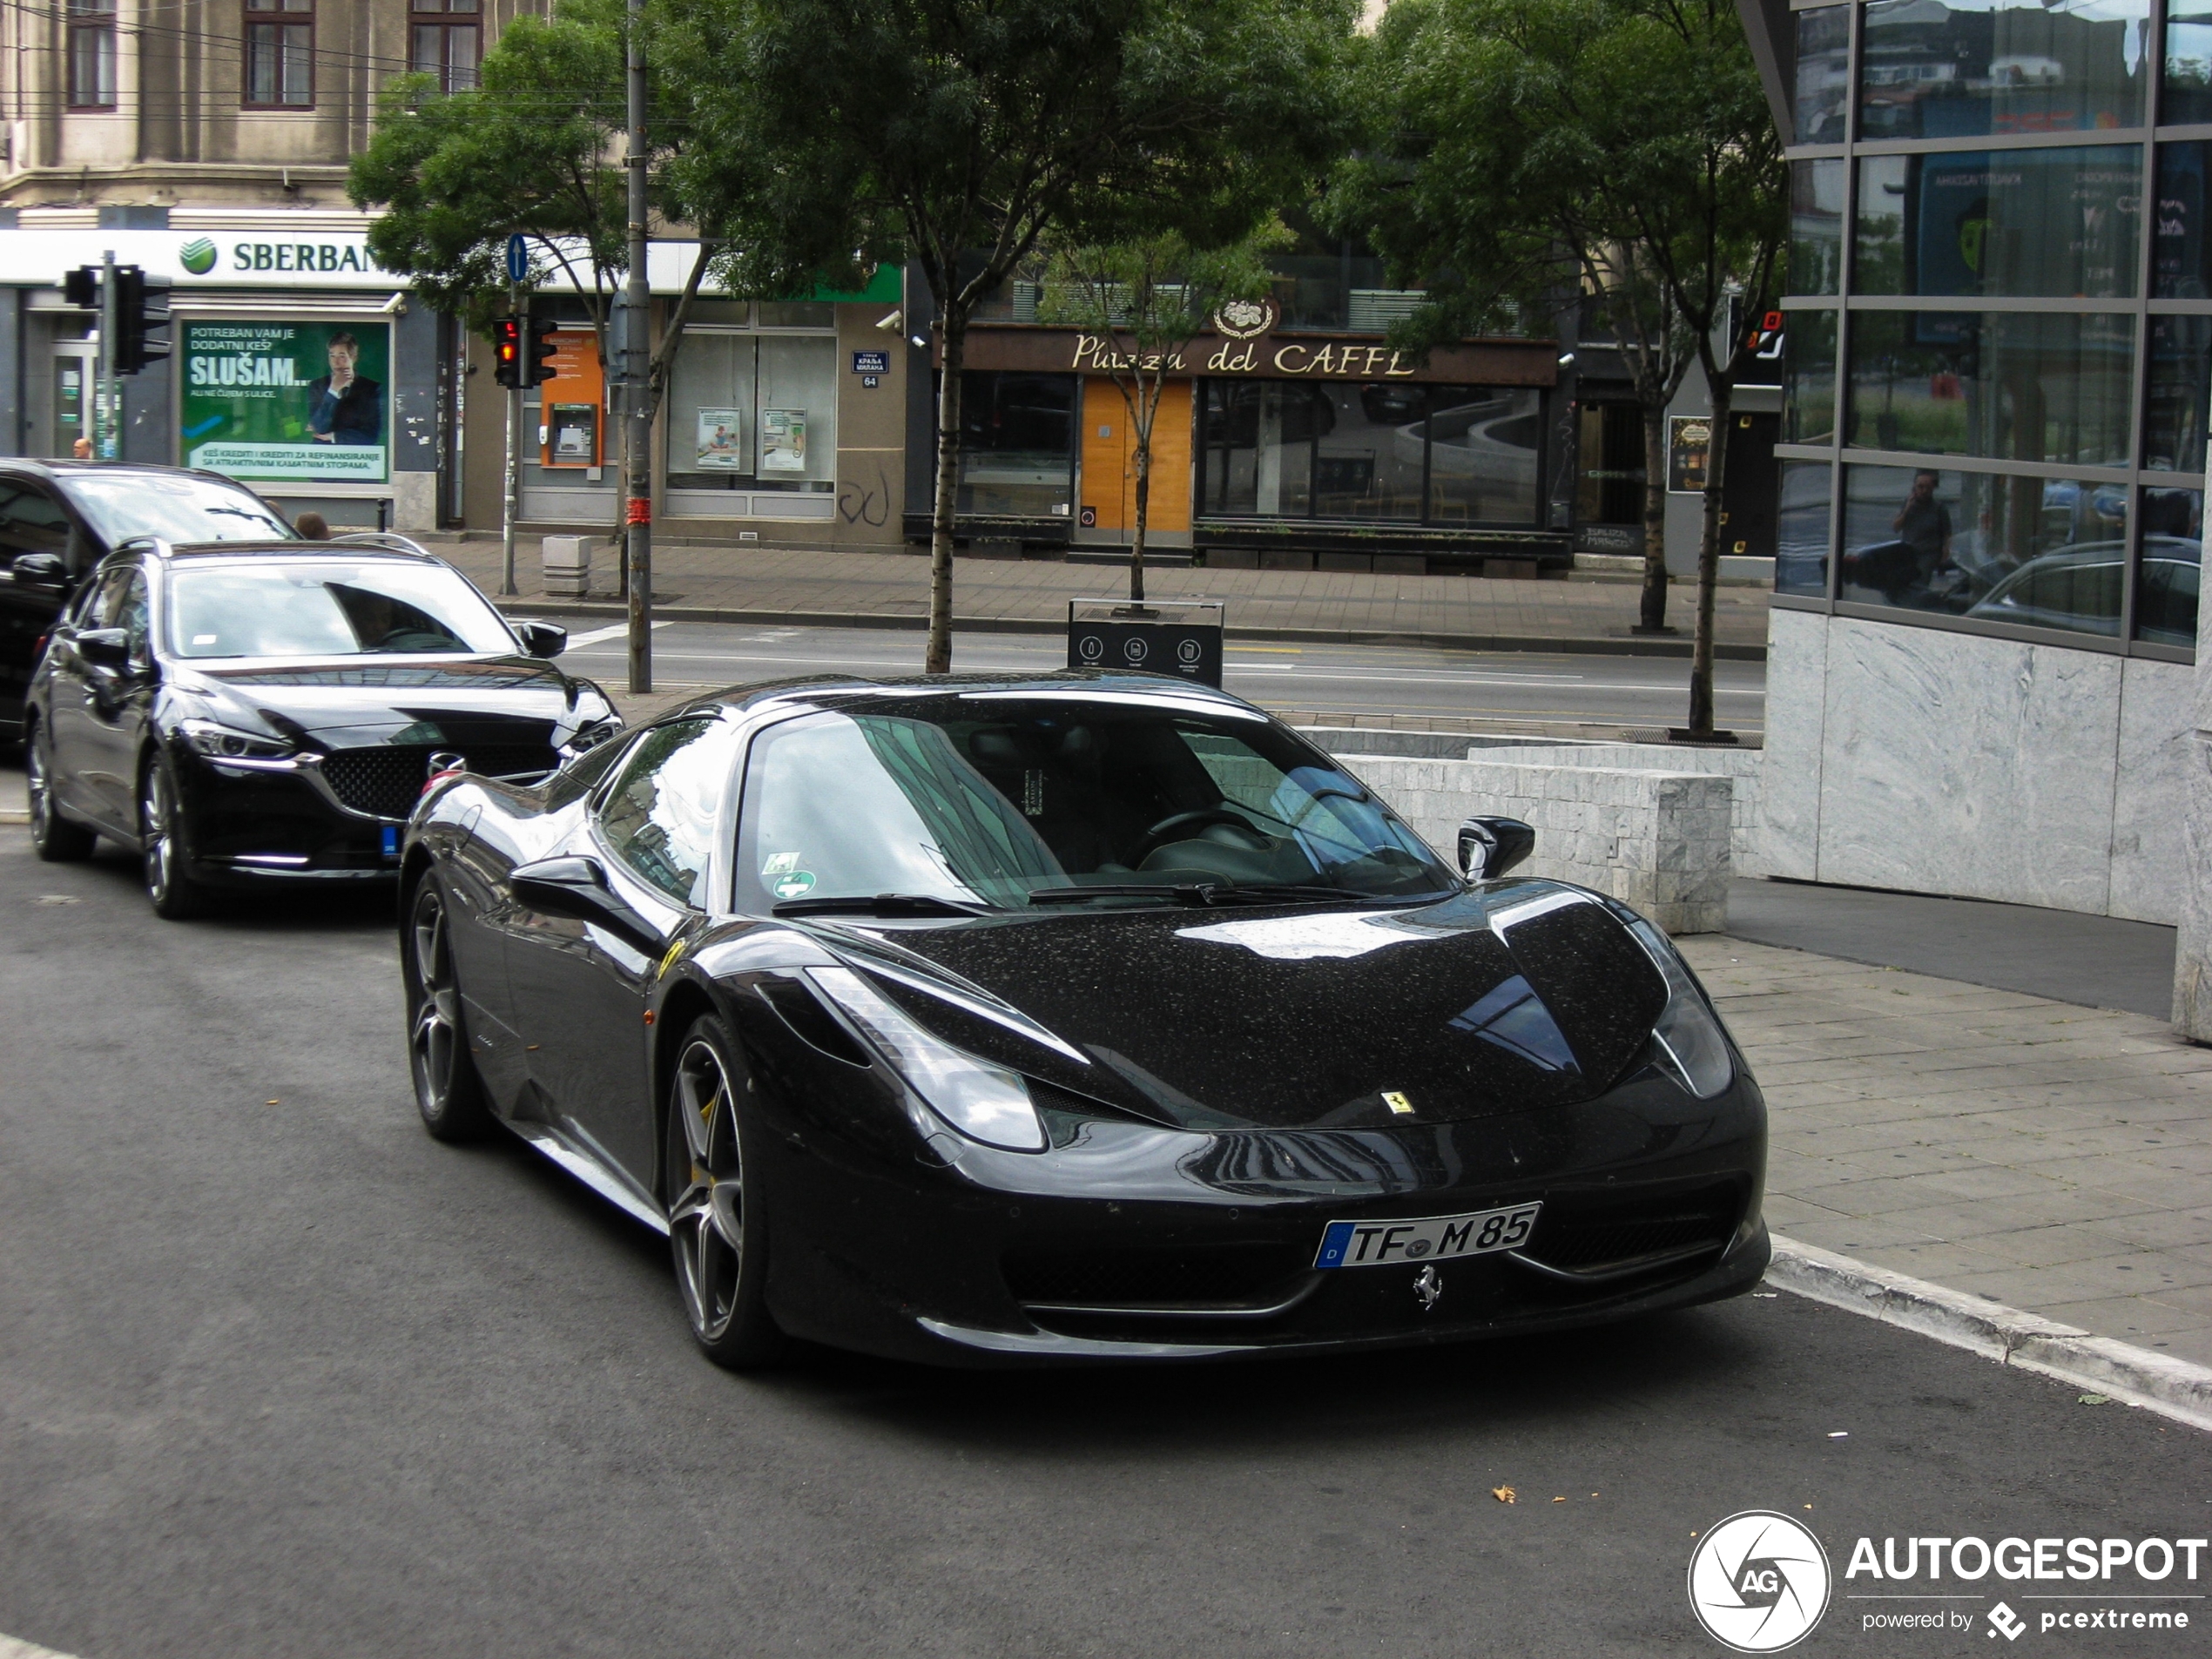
[[1271, 356]]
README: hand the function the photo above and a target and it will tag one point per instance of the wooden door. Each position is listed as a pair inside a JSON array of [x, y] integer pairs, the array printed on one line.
[[1109, 459]]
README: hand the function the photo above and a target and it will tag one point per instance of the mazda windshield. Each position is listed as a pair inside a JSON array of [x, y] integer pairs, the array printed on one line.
[[326, 607]]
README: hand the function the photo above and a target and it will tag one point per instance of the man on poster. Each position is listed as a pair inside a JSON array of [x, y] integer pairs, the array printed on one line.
[[345, 406]]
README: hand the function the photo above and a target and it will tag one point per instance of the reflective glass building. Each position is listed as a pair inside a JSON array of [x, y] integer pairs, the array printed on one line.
[[1993, 442]]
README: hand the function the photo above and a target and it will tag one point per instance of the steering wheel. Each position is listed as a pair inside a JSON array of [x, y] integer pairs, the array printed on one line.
[[1160, 832]]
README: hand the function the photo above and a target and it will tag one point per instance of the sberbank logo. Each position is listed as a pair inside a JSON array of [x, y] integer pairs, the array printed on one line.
[[197, 256]]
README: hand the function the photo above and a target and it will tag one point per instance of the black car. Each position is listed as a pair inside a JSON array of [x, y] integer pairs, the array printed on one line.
[[985, 1021], [248, 714], [60, 518]]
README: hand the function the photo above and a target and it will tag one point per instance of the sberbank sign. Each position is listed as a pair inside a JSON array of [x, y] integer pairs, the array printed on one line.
[[200, 256]]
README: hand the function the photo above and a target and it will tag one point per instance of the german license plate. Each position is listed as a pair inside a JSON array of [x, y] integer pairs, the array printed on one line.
[[1434, 1238]]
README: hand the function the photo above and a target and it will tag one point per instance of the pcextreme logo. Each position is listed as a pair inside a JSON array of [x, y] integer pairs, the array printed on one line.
[[1759, 1581]]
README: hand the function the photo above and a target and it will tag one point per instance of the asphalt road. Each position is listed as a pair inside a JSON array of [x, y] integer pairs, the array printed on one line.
[[1565, 689], [279, 1375]]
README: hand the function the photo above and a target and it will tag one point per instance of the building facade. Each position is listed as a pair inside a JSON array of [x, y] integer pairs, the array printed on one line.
[[1992, 451]]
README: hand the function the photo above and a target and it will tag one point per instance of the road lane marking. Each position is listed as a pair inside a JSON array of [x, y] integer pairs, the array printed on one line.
[[620, 629]]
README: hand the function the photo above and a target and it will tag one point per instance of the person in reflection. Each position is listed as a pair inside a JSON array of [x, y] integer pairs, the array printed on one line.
[[1907, 565]]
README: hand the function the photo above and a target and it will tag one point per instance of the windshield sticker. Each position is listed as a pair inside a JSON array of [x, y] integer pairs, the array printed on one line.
[[781, 864], [204, 640], [796, 884]]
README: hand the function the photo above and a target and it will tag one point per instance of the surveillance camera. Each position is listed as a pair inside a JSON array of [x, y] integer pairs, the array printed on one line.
[[395, 306], [1567, 359], [920, 342], [893, 323]]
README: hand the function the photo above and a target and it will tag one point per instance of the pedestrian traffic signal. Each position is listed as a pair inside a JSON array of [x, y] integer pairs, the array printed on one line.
[[542, 350], [142, 319], [507, 349]]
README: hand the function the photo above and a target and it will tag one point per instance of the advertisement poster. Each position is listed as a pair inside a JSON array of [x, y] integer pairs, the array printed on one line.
[[721, 443], [286, 401], [783, 440], [1689, 441]]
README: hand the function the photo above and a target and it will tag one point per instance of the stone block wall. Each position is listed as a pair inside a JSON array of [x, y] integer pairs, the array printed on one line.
[[1742, 764], [1658, 841]]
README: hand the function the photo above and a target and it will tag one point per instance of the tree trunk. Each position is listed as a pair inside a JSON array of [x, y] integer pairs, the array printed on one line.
[[938, 659], [1143, 509], [1709, 559], [1652, 619]]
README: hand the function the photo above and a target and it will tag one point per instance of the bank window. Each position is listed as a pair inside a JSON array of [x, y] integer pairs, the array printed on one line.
[[752, 412], [92, 54], [1017, 455], [443, 42], [279, 54]]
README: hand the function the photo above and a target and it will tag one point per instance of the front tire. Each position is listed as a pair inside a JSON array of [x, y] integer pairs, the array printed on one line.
[[55, 838], [716, 1227], [447, 1091], [175, 895]]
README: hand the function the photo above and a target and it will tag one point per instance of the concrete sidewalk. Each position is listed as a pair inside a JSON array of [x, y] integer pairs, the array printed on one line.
[[819, 587]]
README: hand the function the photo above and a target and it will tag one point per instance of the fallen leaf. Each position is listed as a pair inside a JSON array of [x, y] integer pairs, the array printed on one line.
[[276, 1102], [1503, 1494], [2095, 1400], [1559, 1501]]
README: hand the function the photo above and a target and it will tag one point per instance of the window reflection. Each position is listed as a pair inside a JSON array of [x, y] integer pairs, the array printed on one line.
[[2058, 222], [2041, 552], [1018, 437], [1809, 378], [1800, 542], [2189, 63], [1932, 70], [1484, 442], [2180, 253], [2174, 405], [2167, 568], [1824, 74], [1815, 227], [2008, 387]]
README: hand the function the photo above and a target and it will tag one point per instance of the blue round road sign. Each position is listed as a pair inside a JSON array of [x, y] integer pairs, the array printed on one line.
[[518, 257]]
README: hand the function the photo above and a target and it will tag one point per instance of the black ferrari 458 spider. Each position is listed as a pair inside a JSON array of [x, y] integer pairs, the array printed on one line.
[[986, 1021]]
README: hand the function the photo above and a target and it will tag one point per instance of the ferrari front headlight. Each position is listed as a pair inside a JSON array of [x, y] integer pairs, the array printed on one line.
[[983, 1102], [1687, 1035]]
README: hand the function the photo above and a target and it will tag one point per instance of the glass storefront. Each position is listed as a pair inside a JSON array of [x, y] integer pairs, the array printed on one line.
[[751, 407], [1017, 444], [1932, 70], [1815, 227], [1995, 222], [1809, 378], [1456, 456]]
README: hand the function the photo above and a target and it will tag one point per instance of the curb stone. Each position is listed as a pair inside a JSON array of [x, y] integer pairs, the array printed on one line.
[[1564, 646], [2133, 1376]]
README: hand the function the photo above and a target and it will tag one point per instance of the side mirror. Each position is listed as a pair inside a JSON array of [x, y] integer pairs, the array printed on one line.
[[1490, 847], [577, 888], [542, 639], [104, 647], [40, 572]]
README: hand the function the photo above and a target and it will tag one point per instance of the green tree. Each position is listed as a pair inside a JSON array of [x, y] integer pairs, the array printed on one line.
[[1521, 153], [960, 134], [533, 149], [1145, 301]]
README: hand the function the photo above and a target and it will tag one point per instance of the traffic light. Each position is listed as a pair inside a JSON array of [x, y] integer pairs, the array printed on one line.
[[542, 350], [507, 350], [81, 287], [142, 319]]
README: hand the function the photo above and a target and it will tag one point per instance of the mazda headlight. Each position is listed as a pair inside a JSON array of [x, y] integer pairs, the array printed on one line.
[[1687, 1039], [983, 1102], [220, 742]]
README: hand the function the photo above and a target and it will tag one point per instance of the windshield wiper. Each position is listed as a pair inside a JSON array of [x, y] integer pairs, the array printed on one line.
[[882, 904], [1190, 894], [1293, 893]]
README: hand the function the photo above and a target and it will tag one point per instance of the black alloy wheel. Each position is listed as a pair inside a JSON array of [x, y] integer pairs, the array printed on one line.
[[56, 839], [447, 1091], [176, 896], [716, 1227]]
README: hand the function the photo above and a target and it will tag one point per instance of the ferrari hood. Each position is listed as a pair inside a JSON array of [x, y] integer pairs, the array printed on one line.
[[460, 702], [1518, 996]]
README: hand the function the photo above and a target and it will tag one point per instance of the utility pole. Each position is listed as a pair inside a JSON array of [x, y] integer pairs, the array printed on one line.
[[107, 443], [638, 302]]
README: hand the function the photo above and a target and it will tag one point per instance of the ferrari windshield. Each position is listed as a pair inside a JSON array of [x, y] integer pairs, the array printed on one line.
[[1013, 799], [177, 507], [323, 607]]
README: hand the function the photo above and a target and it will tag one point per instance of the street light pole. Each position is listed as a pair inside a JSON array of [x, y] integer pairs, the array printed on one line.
[[108, 445], [637, 301]]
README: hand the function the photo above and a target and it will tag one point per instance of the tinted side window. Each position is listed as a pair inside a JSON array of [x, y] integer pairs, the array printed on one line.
[[30, 521], [660, 818], [128, 612]]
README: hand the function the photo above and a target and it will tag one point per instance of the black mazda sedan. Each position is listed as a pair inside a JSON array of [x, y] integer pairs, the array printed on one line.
[[1086, 1017], [248, 714]]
